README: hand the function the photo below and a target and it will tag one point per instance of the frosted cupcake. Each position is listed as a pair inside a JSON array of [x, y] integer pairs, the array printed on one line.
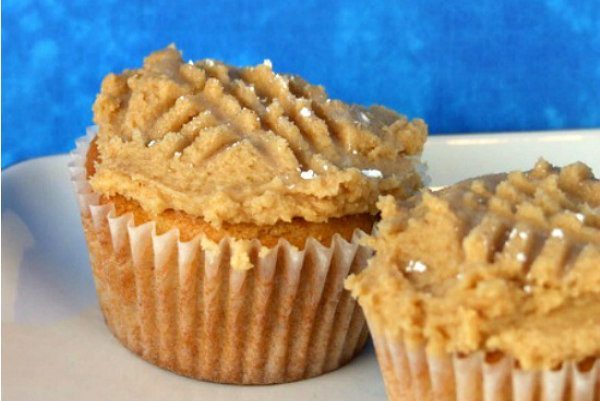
[[489, 289], [222, 208]]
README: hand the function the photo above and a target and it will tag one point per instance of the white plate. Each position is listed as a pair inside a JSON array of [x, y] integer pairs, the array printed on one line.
[[54, 342]]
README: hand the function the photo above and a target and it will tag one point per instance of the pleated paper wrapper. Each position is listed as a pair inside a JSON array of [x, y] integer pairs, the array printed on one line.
[[181, 306], [412, 374]]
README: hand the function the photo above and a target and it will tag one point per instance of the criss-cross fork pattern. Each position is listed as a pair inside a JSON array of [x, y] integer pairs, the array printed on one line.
[[210, 106], [543, 224]]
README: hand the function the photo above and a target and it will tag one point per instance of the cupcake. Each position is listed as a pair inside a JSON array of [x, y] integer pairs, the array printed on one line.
[[489, 289], [222, 208]]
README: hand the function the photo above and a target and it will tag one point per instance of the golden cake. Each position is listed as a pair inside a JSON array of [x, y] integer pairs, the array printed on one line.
[[222, 208], [489, 289]]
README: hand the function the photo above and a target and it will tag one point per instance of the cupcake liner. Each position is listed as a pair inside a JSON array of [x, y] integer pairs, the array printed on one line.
[[181, 306], [413, 374]]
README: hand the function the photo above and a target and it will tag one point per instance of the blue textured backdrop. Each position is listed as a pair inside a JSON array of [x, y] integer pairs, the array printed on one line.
[[464, 66]]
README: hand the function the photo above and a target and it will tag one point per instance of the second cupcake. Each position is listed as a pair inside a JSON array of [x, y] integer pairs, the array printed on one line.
[[222, 207], [489, 289]]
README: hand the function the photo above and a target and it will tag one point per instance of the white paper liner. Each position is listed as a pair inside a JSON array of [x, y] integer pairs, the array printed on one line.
[[181, 306], [417, 376]]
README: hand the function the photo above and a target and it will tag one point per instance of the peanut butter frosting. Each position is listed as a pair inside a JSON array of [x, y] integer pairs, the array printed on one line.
[[246, 145], [504, 263]]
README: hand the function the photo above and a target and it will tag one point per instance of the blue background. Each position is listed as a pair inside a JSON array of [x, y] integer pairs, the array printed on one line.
[[464, 66]]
